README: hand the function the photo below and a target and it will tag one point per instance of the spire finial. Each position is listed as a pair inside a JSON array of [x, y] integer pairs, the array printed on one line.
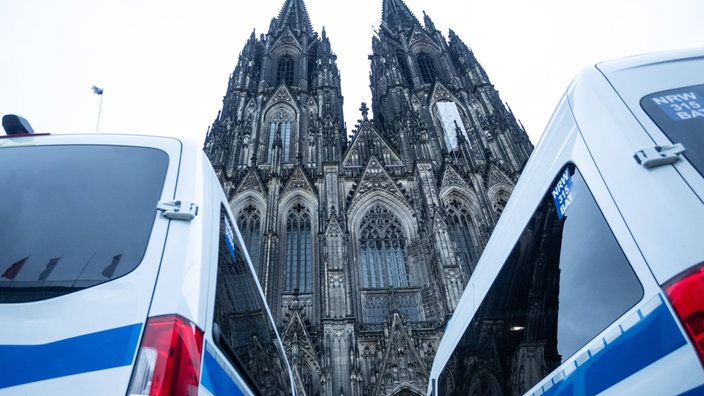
[[365, 110], [294, 15]]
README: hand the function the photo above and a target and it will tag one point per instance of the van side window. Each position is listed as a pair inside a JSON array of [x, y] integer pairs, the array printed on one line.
[[243, 330], [565, 280]]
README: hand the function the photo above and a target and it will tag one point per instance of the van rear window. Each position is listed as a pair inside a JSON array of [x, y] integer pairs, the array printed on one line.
[[679, 113], [74, 216]]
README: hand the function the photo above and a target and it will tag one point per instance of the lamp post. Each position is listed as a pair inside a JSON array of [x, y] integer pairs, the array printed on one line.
[[99, 92]]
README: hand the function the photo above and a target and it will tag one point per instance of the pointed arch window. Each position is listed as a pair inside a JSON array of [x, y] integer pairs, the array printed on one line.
[[299, 251], [249, 223], [284, 71], [426, 68], [279, 131], [449, 116], [285, 140], [382, 250], [272, 138], [460, 222], [402, 67]]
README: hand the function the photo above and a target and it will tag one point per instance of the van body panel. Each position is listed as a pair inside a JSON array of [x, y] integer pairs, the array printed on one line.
[[634, 82], [75, 340], [186, 256], [92, 383], [77, 355], [597, 107], [675, 365], [621, 351]]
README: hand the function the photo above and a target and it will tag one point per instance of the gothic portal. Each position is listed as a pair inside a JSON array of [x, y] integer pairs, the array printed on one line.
[[363, 246]]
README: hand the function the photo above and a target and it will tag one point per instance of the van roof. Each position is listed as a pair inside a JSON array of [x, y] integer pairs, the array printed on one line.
[[644, 60]]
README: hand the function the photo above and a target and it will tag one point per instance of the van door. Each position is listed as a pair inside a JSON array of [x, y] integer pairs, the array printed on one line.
[[80, 248], [660, 204]]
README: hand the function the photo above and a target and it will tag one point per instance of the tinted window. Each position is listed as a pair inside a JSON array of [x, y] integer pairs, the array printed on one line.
[[565, 281], [679, 113], [74, 216], [244, 331]]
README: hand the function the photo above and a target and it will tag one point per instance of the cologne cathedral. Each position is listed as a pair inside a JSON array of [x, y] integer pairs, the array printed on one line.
[[364, 243]]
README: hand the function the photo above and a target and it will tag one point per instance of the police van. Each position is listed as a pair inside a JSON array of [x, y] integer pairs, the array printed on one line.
[[122, 272], [593, 279]]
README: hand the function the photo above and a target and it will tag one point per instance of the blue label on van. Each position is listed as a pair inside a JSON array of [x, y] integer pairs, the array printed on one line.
[[681, 106], [230, 238], [563, 194]]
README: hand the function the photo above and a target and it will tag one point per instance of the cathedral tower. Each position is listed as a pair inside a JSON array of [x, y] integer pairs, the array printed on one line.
[[363, 246]]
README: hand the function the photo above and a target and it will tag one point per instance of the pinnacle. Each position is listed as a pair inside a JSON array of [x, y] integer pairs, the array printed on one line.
[[294, 15], [396, 14]]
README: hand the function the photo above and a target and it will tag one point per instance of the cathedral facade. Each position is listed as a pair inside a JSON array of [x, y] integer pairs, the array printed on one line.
[[364, 244]]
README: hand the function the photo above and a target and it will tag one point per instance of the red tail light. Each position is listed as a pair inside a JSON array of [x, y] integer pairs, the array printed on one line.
[[169, 358], [686, 293]]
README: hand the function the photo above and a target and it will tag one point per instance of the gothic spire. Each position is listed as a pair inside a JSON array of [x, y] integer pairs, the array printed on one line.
[[395, 14], [295, 16]]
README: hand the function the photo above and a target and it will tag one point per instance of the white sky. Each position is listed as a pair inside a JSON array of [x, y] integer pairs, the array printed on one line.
[[164, 64]]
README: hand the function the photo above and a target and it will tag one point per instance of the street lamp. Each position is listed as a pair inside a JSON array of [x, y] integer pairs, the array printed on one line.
[[99, 92]]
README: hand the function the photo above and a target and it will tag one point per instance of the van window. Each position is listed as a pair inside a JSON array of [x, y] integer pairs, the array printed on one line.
[[679, 113], [74, 216], [565, 280], [243, 329]]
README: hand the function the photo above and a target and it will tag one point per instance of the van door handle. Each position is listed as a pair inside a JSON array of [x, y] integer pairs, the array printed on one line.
[[178, 210], [651, 157]]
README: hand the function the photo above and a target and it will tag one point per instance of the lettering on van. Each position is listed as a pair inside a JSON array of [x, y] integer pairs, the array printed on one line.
[[686, 105], [563, 193], [230, 238]]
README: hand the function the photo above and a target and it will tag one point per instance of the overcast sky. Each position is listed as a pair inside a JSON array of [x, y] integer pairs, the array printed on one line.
[[164, 64]]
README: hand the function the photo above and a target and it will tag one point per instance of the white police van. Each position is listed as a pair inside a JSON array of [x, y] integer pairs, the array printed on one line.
[[593, 280], [122, 272]]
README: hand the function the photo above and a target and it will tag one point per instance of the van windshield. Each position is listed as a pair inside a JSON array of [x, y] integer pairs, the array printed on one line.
[[679, 113], [74, 216]]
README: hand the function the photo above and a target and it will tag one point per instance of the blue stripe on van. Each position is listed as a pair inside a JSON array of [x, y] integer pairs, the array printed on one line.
[[22, 364], [215, 379], [698, 391], [652, 338]]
